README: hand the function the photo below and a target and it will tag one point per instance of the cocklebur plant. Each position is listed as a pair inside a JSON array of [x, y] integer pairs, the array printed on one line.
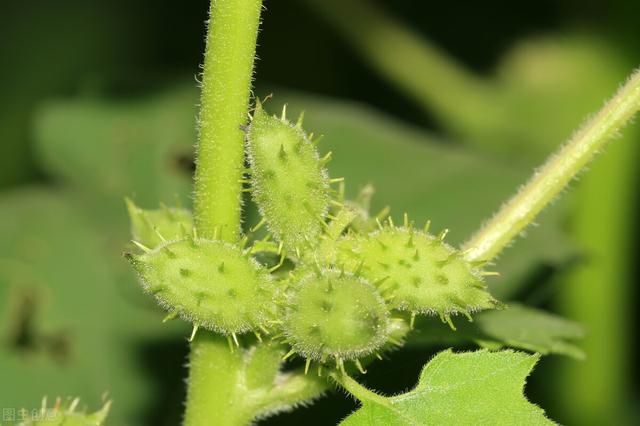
[[64, 413], [337, 300], [343, 287]]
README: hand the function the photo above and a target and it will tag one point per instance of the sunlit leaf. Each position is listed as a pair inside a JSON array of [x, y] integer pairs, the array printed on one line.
[[457, 388]]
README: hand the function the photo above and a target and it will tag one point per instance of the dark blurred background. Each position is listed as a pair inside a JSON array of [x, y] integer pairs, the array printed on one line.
[[83, 82]]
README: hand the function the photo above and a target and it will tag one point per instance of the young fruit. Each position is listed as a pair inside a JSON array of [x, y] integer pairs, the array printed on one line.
[[65, 414], [149, 227], [289, 183], [209, 283], [417, 271], [332, 314]]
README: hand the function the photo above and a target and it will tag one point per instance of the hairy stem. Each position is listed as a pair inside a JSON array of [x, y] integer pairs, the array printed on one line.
[[213, 381], [226, 84], [357, 390], [555, 174]]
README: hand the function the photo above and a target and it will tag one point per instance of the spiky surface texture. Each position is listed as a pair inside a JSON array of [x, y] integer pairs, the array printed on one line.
[[65, 414], [331, 314], [209, 283], [290, 186], [338, 285], [149, 227], [417, 271]]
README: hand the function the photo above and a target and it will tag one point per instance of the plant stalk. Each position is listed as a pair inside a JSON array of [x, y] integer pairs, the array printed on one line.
[[357, 390], [555, 174], [226, 84]]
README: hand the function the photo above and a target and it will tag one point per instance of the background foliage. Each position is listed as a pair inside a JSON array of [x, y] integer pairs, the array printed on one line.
[[98, 102]]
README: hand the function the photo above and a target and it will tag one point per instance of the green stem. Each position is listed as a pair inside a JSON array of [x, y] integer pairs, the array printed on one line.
[[226, 84], [555, 174], [212, 385], [357, 390], [230, 388]]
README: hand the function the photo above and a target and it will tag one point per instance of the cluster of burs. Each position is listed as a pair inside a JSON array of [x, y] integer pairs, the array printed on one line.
[[329, 280]]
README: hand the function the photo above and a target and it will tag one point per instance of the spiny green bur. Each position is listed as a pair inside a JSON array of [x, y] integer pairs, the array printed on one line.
[[65, 414], [417, 271], [346, 282], [209, 283], [330, 314], [290, 186], [149, 227]]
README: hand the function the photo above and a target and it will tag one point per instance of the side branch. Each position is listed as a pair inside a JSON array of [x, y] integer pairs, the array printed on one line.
[[556, 173]]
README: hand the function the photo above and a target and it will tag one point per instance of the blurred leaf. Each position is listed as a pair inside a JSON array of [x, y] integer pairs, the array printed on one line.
[[108, 148], [539, 93], [546, 93], [532, 329], [150, 227], [31, 40], [516, 326], [464, 389], [73, 321]]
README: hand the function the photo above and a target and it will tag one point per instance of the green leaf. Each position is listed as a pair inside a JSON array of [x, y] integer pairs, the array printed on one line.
[[72, 319], [533, 330], [516, 326], [114, 149], [456, 388]]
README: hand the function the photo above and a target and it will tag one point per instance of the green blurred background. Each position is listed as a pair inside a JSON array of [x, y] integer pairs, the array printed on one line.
[[444, 107]]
